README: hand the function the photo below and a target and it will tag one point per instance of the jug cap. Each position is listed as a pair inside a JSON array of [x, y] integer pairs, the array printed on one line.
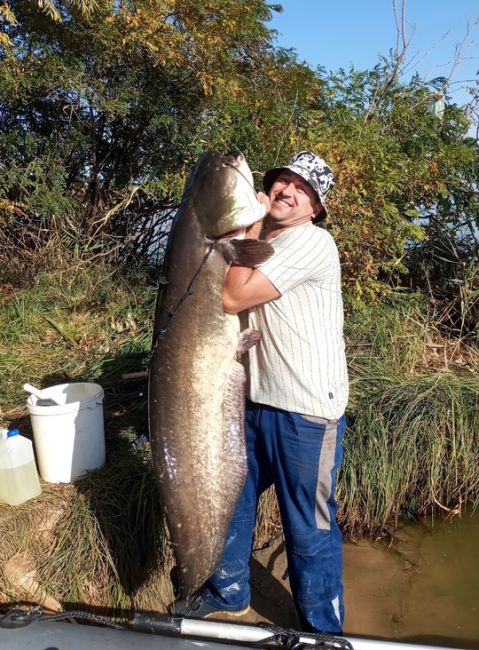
[[13, 432]]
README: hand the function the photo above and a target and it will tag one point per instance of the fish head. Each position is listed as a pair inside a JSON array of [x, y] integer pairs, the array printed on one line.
[[223, 195]]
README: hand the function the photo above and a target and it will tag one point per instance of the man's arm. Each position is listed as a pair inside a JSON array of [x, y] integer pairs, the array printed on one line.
[[245, 287]]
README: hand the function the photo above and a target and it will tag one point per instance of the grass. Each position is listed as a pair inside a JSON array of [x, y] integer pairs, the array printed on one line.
[[413, 436], [78, 324], [410, 449], [99, 543], [411, 446], [111, 539], [103, 541]]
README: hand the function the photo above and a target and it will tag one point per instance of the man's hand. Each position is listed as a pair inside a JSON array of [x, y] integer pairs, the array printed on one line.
[[254, 230], [245, 287], [264, 199]]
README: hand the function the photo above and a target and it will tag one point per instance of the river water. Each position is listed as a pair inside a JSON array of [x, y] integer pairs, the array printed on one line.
[[423, 588]]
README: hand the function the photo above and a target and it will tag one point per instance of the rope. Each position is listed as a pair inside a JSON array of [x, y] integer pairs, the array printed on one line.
[[188, 292], [17, 618], [292, 639]]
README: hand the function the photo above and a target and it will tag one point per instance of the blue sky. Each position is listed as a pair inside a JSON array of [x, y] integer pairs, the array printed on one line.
[[338, 33]]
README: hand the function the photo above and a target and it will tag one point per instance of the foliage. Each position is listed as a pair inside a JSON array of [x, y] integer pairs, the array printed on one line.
[[104, 113], [395, 168], [447, 261]]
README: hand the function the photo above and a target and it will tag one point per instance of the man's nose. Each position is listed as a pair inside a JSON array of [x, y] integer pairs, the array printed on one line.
[[289, 188]]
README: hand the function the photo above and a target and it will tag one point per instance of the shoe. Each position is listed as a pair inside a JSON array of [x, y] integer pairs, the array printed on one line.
[[197, 607]]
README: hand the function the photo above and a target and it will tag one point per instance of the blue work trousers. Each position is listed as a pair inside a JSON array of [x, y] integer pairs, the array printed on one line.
[[300, 455]]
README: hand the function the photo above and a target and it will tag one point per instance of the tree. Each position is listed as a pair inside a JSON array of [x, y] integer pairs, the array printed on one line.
[[104, 114], [395, 166]]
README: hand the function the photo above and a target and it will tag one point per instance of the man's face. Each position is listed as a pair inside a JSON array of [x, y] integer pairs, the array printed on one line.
[[293, 200]]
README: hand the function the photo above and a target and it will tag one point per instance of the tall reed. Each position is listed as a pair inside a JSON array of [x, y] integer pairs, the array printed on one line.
[[412, 448]]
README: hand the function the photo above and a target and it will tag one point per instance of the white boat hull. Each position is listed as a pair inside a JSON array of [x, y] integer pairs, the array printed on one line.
[[171, 634]]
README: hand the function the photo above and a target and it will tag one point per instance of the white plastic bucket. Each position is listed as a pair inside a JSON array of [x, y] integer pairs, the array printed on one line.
[[69, 438]]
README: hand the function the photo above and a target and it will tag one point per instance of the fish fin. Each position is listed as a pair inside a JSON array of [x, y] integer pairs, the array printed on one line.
[[246, 252], [247, 339]]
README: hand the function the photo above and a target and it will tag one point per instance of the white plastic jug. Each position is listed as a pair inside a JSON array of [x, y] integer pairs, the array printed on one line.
[[69, 436], [18, 473]]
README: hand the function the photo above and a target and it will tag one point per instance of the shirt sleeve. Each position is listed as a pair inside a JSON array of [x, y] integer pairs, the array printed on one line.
[[301, 254]]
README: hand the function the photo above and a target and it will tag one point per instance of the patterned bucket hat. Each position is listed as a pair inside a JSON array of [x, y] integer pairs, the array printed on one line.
[[313, 170]]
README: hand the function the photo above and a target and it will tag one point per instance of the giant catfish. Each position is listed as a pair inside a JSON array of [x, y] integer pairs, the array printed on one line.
[[196, 385]]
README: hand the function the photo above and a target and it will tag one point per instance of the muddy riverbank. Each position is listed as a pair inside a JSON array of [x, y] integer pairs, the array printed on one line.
[[422, 588]]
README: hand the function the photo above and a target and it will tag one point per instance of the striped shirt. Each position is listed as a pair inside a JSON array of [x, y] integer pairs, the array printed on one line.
[[300, 364]]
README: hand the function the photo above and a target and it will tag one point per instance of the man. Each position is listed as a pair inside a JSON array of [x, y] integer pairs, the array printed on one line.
[[297, 391]]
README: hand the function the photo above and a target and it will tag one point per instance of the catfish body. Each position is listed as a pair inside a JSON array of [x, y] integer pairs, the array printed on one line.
[[196, 386]]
